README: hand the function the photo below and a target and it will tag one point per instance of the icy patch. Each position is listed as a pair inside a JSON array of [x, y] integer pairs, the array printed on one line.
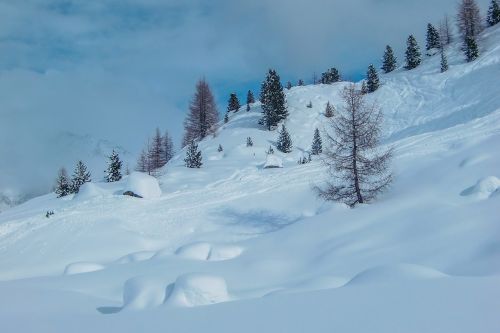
[[273, 161], [136, 256], [82, 267], [197, 289], [208, 251], [89, 191], [144, 185], [395, 273], [143, 292], [483, 189]]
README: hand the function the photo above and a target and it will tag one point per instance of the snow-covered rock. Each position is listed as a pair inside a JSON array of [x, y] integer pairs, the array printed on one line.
[[483, 189], [273, 161], [143, 185], [197, 289]]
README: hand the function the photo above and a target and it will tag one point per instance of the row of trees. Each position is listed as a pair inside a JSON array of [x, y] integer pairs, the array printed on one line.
[[158, 151]]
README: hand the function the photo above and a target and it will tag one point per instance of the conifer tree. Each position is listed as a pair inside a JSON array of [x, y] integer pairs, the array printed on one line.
[[226, 118], [284, 143], [80, 177], [432, 40], [233, 104], [372, 81], [329, 110], [250, 99], [113, 172], [470, 49], [364, 88], [289, 85], [444, 60], [493, 16], [156, 152], [203, 115], [270, 150], [63, 185], [330, 76], [168, 146], [193, 156], [300, 82], [249, 142], [359, 170], [273, 101], [389, 61], [220, 149], [317, 144], [413, 56]]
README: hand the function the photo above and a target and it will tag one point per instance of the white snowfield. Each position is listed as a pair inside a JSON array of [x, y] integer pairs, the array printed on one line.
[[234, 247]]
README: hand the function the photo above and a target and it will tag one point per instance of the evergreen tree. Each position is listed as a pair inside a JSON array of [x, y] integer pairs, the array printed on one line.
[[113, 172], [289, 85], [168, 147], [330, 76], [317, 144], [372, 82], [250, 99], [300, 82], [220, 149], [469, 19], [493, 16], [432, 40], [284, 143], [193, 156], [63, 186], [80, 177], [273, 101], [359, 171], [203, 115], [249, 142], [233, 104], [470, 49], [329, 110], [389, 61], [444, 61], [156, 152], [364, 88], [270, 150], [413, 56], [226, 118]]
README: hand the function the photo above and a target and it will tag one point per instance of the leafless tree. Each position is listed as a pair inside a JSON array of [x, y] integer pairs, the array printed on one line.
[[203, 117], [469, 20], [445, 31], [359, 171]]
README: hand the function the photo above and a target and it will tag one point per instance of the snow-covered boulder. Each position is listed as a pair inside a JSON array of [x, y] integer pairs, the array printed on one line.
[[143, 185], [273, 161], [197, 289]]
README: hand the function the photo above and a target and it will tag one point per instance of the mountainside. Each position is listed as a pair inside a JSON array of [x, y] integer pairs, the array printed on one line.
[[259, 242]]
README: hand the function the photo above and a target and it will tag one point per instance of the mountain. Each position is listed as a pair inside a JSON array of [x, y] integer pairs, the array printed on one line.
[[236, 247]]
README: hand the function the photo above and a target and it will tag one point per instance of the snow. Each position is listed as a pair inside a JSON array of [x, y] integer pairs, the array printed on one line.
[[273, 161], [144, 185], [231, 247]]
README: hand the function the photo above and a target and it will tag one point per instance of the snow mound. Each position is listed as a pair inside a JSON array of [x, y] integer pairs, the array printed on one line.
[[395, 273], [136, 256], [208, 251], [273, 161], [483, 189], [144, 185], [82, 267], [143, 292], [196, 289], [89, 191]]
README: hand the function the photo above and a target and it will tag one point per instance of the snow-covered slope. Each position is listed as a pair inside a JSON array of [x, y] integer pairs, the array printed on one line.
[[423, 258]]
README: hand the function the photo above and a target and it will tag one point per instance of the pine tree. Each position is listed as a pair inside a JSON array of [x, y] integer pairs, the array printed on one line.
[[444, 61], [220, 149], [372, 81], [284, 143], [113, 172], [80, 177], [63, 186], [359, 171], [413, 56], [193, 156], [203, 115], [300, 82], [493, 16], [469, 19], [273, 101], [330, 76], [317, 144], [329, 110], [233, 103], [250, 99], [249, 142], [389, 61], [289, 85], [432, 40], [168, 147], [470, 49], [156, 152]]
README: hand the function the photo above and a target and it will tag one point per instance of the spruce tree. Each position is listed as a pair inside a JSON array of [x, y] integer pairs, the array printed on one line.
[[220, 149], [493, 16], [250, 99], [329, 110], [143, 162], [63, 185], [389, 61], [470, 49], [444, 61], [372, 81], [80, 177], [300, 82], [289, 85], [317, 144], [193, 156], [330, 76], [273, 101], [226, 118], [113, 172], [284, 143], [432, 40], [233, 103], [249, 142], [413, 56]]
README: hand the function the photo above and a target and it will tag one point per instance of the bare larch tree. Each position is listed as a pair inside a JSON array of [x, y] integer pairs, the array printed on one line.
[[358, 169], [469, 20], [203, 116]]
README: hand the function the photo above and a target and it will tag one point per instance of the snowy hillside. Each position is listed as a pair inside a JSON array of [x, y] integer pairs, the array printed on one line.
[[235, 247]]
